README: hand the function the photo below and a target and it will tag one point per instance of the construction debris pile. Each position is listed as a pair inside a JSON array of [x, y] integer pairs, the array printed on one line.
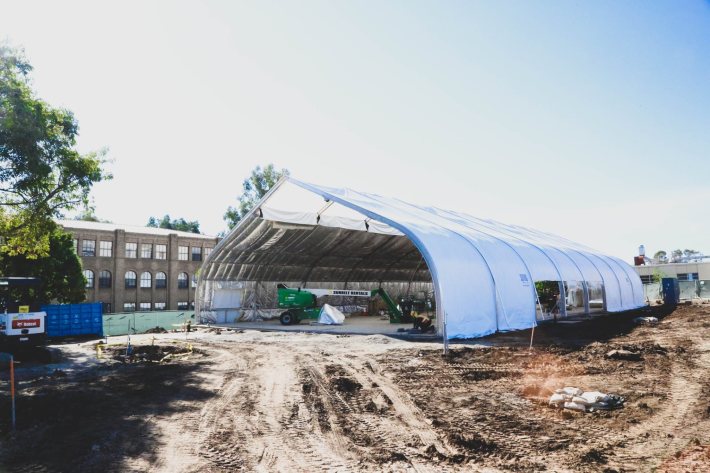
[[590, 401]]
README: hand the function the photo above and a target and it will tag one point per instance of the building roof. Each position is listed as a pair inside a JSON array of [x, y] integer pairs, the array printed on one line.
[[482, 271], [102, 226]]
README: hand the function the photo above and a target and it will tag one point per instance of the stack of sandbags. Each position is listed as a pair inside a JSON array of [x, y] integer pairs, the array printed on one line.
[[590, 401]]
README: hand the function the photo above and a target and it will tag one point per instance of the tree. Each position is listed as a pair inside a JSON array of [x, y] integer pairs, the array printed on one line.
[[661, 256], [179, 224], [60, 270], [676, 256], [255, 187], [88, 214], [41, 172], [690, 254], [658, 275]]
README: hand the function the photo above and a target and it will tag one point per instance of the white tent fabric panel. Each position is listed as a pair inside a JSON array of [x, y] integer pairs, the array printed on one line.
[[482, 271], [464, 275], [634, 280], [539, 264], [516, 297]]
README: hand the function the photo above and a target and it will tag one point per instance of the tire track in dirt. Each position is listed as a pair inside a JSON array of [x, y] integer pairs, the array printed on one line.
[[660, 435]]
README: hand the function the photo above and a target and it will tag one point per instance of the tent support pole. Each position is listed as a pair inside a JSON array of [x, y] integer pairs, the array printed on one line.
[[446, 339]]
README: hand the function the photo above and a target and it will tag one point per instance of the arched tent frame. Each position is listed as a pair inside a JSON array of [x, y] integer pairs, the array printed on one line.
[[482, 272]]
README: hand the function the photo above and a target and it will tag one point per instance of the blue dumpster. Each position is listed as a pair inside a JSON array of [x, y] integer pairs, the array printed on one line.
[[66, 320], [671, 291]]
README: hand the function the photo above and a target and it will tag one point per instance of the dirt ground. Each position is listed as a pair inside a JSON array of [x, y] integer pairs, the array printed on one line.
[[252, 401]]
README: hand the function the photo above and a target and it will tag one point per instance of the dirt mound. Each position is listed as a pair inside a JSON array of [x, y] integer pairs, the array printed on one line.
[[148, 353], [156, 330]]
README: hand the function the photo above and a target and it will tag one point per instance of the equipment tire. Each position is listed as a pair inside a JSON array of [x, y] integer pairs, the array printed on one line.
[[287, 318]]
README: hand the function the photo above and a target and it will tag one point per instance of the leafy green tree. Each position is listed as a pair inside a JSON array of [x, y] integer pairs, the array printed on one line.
[[255, 187], [179, 224], [60, 270], [658, 275], [41, 172]]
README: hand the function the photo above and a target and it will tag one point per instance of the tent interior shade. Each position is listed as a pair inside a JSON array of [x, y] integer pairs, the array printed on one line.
[[482, 272]]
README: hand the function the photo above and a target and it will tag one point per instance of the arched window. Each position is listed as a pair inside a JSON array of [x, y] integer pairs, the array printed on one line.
[[130, 280], [161, 281], [182, 281], [105, 279], [146, 279], [89, 275], [194, 280]]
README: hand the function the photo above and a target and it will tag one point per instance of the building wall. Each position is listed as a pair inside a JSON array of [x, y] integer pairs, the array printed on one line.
[[118, 264], [672, 270]]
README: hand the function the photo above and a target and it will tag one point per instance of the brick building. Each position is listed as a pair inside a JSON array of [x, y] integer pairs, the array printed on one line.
[[131, 268]]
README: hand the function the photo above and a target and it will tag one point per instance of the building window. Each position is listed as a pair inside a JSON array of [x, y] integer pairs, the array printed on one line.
[[106, 249], [130, 280], [159, 306], [147, 250], [182, 305], [88, 248], [131, 250], [192, 305], [647, 279], [161, 251], [194, 281], [687, 276], [105, 279], [89, 275], [182, 281], [145, 306], [196, 253], [129, 306], [146, 280], [161, 281], [76, 246], [207, 252], [106, 307], [182, 253]]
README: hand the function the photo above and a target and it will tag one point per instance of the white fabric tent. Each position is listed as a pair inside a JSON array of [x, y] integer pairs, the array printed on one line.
[[482, 271]]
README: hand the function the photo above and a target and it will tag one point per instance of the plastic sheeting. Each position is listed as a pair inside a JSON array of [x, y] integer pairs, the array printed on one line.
[[482, 271], [329, 315]]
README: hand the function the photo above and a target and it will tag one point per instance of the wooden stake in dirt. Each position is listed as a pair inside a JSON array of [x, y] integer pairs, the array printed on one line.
[[12, 388], [532, 334]]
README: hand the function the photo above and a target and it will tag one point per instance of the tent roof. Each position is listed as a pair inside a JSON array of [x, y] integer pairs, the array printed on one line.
[[483, 271]]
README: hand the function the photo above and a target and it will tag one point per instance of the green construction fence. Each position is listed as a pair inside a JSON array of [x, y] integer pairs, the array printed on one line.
[[138, 322]]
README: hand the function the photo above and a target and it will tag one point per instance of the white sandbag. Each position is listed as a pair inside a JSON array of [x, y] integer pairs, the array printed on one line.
[[557, 399], [592, 397], [580, 400], [329, 315], [575, 406], [570, 391]]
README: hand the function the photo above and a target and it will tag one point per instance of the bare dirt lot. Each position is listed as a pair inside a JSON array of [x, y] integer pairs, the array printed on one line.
[[252, 401]]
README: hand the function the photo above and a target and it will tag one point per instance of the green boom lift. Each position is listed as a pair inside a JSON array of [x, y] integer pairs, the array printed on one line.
[[302, 304]]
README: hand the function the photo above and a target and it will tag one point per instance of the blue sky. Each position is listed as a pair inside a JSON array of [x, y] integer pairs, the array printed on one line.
[[586, 119]]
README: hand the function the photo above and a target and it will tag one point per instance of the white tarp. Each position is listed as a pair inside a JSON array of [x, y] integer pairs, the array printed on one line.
[[329, 315]]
